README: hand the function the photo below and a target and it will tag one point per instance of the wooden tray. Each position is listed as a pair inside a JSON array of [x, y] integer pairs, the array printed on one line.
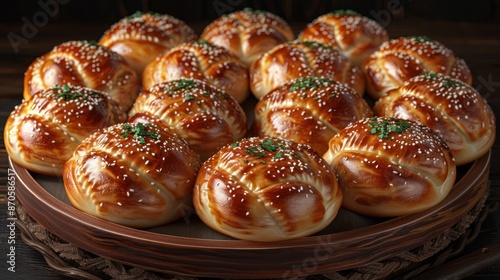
[[189, 248]]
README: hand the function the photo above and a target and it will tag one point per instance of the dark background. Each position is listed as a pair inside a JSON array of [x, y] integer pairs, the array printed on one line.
[[291, 10]]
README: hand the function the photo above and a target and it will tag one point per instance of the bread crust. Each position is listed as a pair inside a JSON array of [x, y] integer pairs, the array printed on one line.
[[266, 189], [390, 167], [42, 132], [83, 63], [309, 111], [248, 33], [401, 59], [202, 61], [206, 117], [300, 59], [140, 37], [452, 108], [354, 34], [132, 178]]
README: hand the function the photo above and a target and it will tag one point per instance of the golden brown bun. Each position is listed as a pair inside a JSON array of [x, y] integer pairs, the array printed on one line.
[[399, 60], [301, 60], [82, 63], [354, 34], [203, 61], [137, 175], [141, 37], [309, 111], [248, 33], [390, 167], [453, 109], [266, 189], [42, 132], [206, 117]]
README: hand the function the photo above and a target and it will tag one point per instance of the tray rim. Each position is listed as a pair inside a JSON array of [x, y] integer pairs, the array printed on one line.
[[29, 187]]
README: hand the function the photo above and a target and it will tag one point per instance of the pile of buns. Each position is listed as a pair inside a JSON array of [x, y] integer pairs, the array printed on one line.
[[150, 121]]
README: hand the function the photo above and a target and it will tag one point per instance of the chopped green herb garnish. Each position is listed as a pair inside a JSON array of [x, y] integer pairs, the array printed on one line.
[[139, 131], [89, 42], [203, 42], [450, 83], [65, 93], [257, 12], [312, 44], [189, 97], [255, 152], [138, 14], [421, 39], [430, 75], [269, 145], [347, 12], [181, 84], [384, 127], [308, 83], [447, 82]]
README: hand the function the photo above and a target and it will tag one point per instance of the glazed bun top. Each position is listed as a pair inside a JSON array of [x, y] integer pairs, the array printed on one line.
[[204, 61], [266, 189], [248, 33], [135, 174], [300, 59], [452, 108], [309, 111], [401, 59], [390, 167], [84, 63], [140, 37], [205, 116], [355, 35], [42, 132]]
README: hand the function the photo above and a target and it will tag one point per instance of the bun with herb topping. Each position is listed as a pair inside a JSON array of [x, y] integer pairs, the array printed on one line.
[[86, 64], [134, 174], [42, 132], [140, 37], [453, 109], [309, 111], [203, 61], [390, 167], [398, 60], [354, 34], [266, 189], [205, 116], [299, 59], [248, 33]]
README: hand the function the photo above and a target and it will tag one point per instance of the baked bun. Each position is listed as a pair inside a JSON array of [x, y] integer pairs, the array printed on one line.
[[354, 34], [453, 109], [300, 59], [398, 60], [309, 111], [203, 61], [140, 37], [83, 63], [137, 175], [389, 167], [266, 189], [42, 132], [248, 33], [206, 117]]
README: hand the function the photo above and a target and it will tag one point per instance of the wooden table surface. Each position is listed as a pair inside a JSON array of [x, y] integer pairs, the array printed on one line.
[[477, 43]]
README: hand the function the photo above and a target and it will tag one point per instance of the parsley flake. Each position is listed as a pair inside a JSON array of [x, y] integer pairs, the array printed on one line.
[[308, 83], [139, 131], [385, 127], [64, 92]]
